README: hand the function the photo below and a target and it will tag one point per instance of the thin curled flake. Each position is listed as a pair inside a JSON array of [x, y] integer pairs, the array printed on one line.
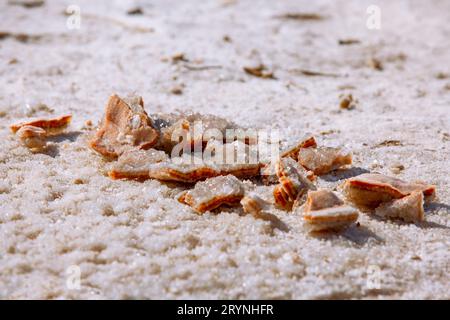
[[51, 126], [134, 164], [325, 211], [125, 124], [369, 190], [323, 160], [409, 208], [213, 193], [34, 138]]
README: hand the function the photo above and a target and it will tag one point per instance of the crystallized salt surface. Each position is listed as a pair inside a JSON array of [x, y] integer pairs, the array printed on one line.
[[219, 187], [323, 160]]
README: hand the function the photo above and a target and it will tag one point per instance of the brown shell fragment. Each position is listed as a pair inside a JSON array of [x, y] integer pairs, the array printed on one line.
[[134, 164], [323, 160], [212, 193], [409, 208], [269, 176], [325, 211], [125, 124], [33, 138], [190, 129], [281, 198], [182, 170], [191, 167], [369, 190], [257, 207], [293, 150], [236, 158], [293, 182], [51, 126]]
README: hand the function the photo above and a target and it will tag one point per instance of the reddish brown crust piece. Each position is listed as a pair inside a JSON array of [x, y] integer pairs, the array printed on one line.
[[309, 142], [214, 192], [211, 205], [281, 198], [243, 171], [124, 125], [323, 160], [51, 126], [369, 190], [168, 174], [409, 208], [139, 176], [325, 211]]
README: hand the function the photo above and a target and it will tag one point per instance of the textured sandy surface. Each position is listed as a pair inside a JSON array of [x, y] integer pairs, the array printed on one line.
[[133, 240]]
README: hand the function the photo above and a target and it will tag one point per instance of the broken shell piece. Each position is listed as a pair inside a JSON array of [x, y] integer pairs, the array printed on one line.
[[293, 182], [255, 206], [293, 150], [190, 129], [33, 138], [409, 208], [125, 124], [134, 164], [281, 198], [323, 160], [182, 169], [369, 190], [212, 193], [236, 158], [269, 176], [324, 211], [51, 126]]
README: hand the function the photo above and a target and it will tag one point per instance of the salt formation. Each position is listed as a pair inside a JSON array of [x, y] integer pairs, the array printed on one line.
[[212, 193], [324, 211], [125, 124]]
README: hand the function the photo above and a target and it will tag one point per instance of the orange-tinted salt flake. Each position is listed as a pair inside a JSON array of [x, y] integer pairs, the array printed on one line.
[[125, 124], [134, 164], [369, 190], [408, 208], [34, 138], [213, 193], [323, 160], [51, 126], [325, 211]]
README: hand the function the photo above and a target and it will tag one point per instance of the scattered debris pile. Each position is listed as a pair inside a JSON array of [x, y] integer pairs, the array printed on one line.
[[195, 150]]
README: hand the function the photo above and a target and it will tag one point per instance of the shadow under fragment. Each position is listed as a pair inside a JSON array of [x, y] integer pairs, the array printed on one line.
[[67, 136], [344, 174]]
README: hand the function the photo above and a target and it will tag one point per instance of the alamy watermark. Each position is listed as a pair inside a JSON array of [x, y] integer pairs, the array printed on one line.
[[374, 19], [73, 280], [73, 21]]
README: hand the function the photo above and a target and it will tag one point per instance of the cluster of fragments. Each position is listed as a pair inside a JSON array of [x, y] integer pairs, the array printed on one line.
[[139, 147]]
